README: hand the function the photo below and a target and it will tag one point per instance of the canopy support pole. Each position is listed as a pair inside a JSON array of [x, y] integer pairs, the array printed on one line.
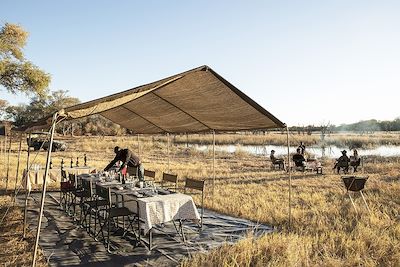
[[213, 164], [3, 156], [46, 173], [8, 163], [26, 185], [138, 145], [17, 172], [168, 150], [290, 177]]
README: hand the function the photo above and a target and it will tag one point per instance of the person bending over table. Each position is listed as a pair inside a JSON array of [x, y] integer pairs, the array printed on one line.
[[129, 159]]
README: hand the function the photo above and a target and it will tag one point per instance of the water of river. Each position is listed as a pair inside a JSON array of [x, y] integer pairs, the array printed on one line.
[[329, 152]]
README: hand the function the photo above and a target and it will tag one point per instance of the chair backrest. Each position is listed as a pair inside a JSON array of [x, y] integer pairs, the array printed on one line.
[[194, 184], [197, 185], [87, 187], [151, 174], [353, 183], [104, 192], [169, 178]]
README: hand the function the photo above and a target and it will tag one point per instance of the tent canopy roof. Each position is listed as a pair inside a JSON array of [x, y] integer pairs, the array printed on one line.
[[197, 100]]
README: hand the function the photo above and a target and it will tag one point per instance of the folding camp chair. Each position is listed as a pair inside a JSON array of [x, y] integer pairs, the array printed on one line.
[[168, 179], [191, 184], [355, 184], [90, 206], [150, 174], [111, 214]]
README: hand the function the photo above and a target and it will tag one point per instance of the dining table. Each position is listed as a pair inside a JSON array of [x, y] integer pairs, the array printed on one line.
[[156, 205]]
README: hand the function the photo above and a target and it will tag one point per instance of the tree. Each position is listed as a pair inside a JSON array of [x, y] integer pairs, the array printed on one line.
[[39, 107], [3, 106], [16, 73]]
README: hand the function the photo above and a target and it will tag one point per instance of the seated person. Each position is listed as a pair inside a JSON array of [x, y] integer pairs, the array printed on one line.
[[355, 160], [276, 161], [342, 162], [299, 159]]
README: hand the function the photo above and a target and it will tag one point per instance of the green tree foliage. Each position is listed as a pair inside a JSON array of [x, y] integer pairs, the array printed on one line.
[[40, 107], [3, 106], [16, 73]]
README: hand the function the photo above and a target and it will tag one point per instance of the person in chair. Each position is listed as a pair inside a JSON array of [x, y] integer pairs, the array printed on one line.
[[128, 159], [276, 161], [299, 160], [355, 160], [342, 162]]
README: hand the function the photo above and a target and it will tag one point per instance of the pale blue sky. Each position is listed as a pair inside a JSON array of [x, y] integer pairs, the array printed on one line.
[[304, 61]]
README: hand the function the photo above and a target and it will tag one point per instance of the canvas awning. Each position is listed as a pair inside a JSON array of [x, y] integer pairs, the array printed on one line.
[[197, 100]]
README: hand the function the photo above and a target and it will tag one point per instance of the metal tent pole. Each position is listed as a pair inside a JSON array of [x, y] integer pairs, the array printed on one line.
[[8, 163], [44, 188], [290, 177], [168, 150], [213, 164], [18, 161], [26, 186]]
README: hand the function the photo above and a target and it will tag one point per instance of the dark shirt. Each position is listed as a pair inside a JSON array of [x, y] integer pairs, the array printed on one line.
[[127, 157], [298, 159], [343, 161]]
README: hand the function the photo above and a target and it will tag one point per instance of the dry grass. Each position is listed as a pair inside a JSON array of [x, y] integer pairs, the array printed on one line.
[[15, 250], [325, 230], [279, 138]]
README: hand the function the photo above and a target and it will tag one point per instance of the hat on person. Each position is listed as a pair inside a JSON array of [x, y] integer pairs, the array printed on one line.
[[272, 151], [344, 152], [116, 149]]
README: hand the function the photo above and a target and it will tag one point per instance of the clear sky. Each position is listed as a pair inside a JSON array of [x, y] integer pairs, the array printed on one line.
[[307, 62]]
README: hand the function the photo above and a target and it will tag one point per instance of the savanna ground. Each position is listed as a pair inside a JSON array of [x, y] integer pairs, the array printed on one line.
[[325, 230]]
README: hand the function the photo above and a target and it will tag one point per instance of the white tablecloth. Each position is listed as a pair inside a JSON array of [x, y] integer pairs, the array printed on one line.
[[78, 170], [37, 176], [164, 208], [157, 209]]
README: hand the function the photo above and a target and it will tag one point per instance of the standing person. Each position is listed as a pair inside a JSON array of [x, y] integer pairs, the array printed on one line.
[[129, 159], [355, 160], [342, 162], [274, 160], [302, 148]]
